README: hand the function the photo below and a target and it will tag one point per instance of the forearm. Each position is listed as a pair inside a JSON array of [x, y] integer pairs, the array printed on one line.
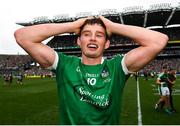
[[30, 38], [142, 36], [38, 33], [151, 43], [158, 82]]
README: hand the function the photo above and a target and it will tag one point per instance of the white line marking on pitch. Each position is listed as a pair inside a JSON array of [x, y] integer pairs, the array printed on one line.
[[139, 104]]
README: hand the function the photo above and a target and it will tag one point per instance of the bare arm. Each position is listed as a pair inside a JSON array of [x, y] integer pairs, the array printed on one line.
[[151, 43], [171, 82], [158, 82], [30, 38]]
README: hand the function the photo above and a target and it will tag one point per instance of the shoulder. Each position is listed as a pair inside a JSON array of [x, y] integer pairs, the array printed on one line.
[[116, 58], [62, 59], [162, 75], [65, 59], [119, 61], [62, 55]]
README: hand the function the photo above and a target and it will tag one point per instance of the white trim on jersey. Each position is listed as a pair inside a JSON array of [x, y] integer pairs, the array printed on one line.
[[54, 65], [124, 67]]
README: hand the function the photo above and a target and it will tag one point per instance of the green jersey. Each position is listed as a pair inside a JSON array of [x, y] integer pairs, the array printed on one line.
[[89, 94], [163, 77]]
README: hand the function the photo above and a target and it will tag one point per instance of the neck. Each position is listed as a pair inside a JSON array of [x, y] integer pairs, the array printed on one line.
[[92, 61]]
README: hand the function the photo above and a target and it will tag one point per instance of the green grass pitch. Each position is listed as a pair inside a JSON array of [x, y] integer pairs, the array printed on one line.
[[36, 102]]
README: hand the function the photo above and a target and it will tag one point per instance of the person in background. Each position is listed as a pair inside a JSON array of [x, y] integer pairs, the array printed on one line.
[[164, 92], [171, 82]]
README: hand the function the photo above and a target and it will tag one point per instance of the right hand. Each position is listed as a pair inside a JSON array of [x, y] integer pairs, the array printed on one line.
[[108, 24], [77, 24]]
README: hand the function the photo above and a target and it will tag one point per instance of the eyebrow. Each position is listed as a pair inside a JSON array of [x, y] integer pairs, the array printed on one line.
[[90, 31]]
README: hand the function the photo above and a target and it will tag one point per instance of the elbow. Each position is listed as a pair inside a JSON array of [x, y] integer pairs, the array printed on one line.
[[18, 36], [163, 41], [160, 42], [21, 36]]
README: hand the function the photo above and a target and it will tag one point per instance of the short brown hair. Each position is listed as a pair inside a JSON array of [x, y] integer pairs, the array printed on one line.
[[93, 21]]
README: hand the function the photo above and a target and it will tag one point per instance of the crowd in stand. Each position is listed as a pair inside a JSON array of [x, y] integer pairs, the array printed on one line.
[[63, 41], [156, 65], [13, 61], [20, 64]]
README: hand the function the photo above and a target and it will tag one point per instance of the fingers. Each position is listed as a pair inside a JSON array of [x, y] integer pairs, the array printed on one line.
[[105, 20], [77, 24], [101, 17], [107, 23]]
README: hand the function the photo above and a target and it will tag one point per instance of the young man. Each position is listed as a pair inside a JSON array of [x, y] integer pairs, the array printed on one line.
[[164, 92], [90, 88], [171, 82]]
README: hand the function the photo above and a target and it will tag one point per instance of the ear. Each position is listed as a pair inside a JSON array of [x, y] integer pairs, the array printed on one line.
[[78, 42], [107, 44]]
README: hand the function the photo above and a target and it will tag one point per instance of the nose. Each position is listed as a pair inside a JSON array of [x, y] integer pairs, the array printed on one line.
[[93, 37]]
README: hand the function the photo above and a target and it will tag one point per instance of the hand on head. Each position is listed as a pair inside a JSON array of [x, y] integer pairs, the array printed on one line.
[[107, 23], [78, 23]]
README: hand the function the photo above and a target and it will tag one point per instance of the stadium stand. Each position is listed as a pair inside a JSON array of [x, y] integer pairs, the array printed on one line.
[[21, 64]]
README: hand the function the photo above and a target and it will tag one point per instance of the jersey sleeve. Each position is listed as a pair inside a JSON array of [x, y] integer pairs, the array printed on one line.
[[124, 67], [54, 65], [59, 61], [123, 72], [160, 76]]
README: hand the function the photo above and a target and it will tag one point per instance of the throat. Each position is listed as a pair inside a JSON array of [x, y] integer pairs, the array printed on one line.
[[92, 61]]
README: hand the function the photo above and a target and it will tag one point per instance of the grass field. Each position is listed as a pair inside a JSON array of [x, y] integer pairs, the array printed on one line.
[[36, 102]]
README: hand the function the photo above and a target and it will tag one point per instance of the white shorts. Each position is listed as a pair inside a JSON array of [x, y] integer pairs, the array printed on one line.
[[164, 91]]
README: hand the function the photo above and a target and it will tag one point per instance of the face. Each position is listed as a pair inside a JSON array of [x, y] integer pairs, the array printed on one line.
[[93, 41], [165, 70]]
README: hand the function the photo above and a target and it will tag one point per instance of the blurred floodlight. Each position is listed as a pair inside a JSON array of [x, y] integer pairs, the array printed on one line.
[[133, 9], [108, 12], [83, 14], [160, 6]]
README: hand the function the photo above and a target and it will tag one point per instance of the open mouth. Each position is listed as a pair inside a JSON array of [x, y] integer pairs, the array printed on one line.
[[92, 46]]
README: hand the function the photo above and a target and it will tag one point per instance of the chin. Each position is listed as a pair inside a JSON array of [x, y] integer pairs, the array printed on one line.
[[92, 55]]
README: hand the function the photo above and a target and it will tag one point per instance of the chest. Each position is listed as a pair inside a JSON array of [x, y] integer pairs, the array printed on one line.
[[95, 76]]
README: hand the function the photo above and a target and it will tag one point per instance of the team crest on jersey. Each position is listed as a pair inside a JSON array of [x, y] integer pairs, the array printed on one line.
[[104, 73]]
